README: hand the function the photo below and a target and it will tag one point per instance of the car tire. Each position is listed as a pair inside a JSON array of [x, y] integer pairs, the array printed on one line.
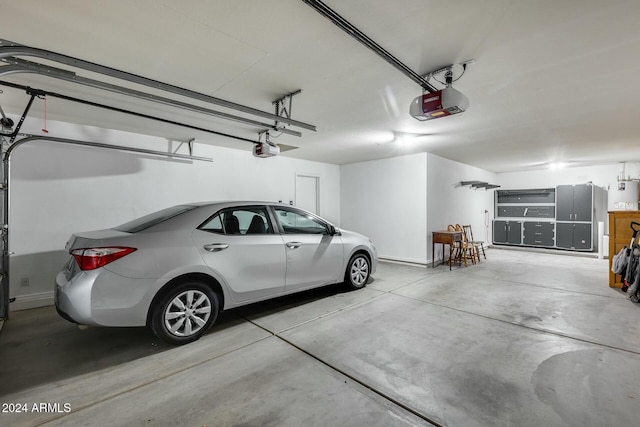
[[358, 271], [184, 313]]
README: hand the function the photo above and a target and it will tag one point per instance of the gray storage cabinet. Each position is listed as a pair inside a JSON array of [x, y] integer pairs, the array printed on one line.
[[509, 232], [574, 203], [571, 235], [562, 217], [514, 207], [538, 234], [574, 216]]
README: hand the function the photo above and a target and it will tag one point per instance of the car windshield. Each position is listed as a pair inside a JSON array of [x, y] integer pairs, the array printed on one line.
[[153, 219]]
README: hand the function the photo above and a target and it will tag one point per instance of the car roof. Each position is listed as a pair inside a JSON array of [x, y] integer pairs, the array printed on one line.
[[235, 203]]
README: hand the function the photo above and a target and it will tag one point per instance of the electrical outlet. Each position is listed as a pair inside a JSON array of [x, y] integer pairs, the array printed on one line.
[[25, 281]]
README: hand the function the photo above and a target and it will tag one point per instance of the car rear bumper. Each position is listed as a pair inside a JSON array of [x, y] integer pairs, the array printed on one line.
[[102, 298], [73, 297]]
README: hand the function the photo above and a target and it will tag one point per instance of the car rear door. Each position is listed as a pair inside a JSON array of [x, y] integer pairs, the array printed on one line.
[[240, 246], [314, 256]]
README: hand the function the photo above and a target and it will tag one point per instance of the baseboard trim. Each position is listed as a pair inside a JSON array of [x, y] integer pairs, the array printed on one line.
[[422, 263], [26, 302]]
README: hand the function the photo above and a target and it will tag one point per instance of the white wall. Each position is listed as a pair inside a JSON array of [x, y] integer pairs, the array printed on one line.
[[399, 201], [59, 189], [602, 176], [386, 200], [450, 203]]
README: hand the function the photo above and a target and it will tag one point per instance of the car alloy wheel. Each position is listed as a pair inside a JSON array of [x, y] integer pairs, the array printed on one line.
[[184, 313], [357, 273], [187, 313]]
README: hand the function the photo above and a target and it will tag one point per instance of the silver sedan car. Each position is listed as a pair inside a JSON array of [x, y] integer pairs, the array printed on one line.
[[175, 269]]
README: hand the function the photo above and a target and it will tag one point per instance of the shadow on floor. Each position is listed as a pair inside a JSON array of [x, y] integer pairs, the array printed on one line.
[[276, 305], [38, 347]]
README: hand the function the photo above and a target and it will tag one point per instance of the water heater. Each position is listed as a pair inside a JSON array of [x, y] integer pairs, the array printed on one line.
[[623, 196]]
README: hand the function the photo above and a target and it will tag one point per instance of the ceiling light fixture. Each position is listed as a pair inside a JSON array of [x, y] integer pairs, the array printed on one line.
[[557, 165], [404, 139]]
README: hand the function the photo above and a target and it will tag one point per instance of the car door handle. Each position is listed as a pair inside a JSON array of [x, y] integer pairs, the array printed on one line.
[[215, 247], [294, 245]]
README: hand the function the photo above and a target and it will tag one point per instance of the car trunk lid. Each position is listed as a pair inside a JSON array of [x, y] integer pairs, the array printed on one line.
[[92, 239]]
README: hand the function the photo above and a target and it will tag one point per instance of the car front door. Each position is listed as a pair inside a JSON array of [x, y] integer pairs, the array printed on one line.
[[240, 245], [314, 255]]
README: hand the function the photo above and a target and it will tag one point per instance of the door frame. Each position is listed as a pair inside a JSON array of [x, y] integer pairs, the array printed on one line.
[[308, 175]]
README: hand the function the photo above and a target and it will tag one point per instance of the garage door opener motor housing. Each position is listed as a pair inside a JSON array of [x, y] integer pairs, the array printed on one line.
[[441, 103]]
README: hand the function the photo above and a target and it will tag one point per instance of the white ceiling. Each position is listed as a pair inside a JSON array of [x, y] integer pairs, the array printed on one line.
[[553, 81]]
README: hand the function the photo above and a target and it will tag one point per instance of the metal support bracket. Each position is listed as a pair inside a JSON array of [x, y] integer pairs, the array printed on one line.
[[281, 108], [266, 138], [189, 146], [33, 93], [448, 73]]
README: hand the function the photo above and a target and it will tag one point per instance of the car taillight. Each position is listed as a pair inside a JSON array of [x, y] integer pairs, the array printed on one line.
[[92, 258]]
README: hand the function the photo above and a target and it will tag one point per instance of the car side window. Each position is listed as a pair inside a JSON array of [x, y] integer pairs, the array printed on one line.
[[239, 221], [294, 222], [213, 225]]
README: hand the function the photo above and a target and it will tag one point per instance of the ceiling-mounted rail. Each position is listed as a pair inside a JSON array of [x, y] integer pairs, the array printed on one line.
[[10, 49], [350, 29], [39, 92], [17, 65], [27, 138]]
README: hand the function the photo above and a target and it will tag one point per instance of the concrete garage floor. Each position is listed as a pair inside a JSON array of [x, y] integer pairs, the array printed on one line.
[[522, 339]]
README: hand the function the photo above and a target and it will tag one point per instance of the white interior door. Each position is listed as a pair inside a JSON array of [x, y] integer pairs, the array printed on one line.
[[307, 193]]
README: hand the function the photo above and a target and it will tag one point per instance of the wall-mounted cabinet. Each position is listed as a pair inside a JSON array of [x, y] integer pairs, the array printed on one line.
[[561, 217], [506, 211], [575, 203], [526, 197]]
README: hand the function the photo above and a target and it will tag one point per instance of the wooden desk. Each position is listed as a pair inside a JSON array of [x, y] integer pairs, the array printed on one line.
[[445, 238]]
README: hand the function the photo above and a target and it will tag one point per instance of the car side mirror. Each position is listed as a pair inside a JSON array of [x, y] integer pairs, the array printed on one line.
[[332, 230]]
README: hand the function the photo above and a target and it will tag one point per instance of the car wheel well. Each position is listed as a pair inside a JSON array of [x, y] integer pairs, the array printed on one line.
[[363, 252], [190, 277]]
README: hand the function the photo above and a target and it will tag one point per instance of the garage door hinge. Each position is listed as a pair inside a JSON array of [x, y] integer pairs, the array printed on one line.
[[3, 186]]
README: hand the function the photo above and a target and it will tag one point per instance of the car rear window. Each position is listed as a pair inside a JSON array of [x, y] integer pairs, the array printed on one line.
[[153, 219]]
